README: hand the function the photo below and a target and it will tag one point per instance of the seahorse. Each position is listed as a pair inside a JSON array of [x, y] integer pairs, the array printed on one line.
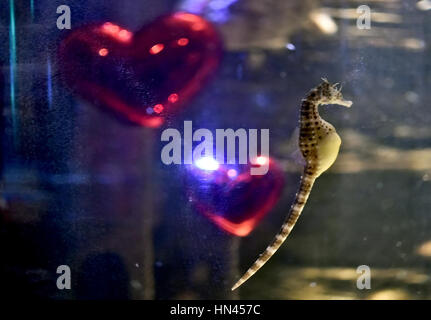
[[319, 144]]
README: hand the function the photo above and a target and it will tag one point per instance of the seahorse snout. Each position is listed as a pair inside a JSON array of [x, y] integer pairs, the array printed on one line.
[[345, 103]]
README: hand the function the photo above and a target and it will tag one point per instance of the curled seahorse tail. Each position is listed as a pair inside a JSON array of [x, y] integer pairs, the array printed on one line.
[[306, 184]]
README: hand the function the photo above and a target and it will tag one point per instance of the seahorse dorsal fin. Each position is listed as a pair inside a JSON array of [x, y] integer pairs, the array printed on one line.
[[294, 152]]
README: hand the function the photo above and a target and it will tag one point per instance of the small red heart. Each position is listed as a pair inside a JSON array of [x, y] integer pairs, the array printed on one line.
[[146, 76], [232, 198]]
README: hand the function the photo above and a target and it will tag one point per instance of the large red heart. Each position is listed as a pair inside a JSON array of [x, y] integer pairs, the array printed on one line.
[[143, 77], [231, 197]]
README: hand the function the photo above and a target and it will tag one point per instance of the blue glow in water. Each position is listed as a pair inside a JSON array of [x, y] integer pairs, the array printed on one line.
[[262, 99], [239, 72], [32, 10], [215, 10], [193, 6], [49, 83], [221, 4], [219, 15], [12, 66]]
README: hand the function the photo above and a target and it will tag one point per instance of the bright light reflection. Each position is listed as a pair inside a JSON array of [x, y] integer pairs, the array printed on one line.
[[158, 108], [261, 161], [232, 173], [207, 163], [183, 42], [173, 98], [157, 48], [324, 22], [115, 31], [424, 5], [103, 52]]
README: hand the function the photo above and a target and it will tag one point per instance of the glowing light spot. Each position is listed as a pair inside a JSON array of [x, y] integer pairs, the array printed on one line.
[[183, 42], [232, 173], [290, 46], [198, 26], [413, 43], [238, 229], [116, 32], [125, 35], [152, 123], [324, 22], [261, 161], [424, 5], [173, 98], [111, 28], [207, 163], [424, 249], [115, 28], [157, 48], [189, 17], [197, 23], [103, 52], [158, 108], [150, 110]]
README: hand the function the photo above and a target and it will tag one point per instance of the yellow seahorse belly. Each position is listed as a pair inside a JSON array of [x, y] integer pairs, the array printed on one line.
[[327, 152]]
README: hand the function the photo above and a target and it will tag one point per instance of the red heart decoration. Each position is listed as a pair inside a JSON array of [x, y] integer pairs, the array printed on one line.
[[232, 198], [146, 76]]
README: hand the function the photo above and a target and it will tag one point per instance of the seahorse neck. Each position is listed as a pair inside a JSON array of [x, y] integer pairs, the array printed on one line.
[[312, 126], [310, 112]]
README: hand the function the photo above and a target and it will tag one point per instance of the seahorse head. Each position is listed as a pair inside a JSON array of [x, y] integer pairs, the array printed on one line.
[[331, 94]]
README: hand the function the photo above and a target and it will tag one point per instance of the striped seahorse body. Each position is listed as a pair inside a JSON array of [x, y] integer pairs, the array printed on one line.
[[319, 144]]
